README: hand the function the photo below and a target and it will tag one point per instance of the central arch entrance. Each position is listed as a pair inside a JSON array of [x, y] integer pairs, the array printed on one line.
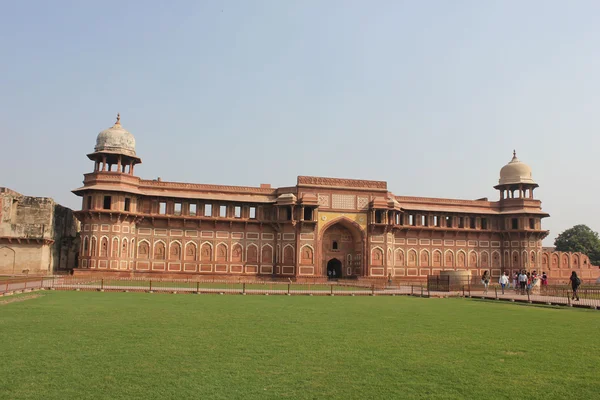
[[334, 269], [342, 245]]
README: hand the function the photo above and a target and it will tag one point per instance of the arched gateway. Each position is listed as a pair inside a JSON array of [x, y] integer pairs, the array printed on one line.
[[342, 245]]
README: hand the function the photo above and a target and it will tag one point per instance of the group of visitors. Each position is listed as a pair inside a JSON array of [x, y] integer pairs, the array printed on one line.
[[524, 281], [521, 281]]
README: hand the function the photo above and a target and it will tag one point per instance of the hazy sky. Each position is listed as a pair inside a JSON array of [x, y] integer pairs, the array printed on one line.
[[430, 96]]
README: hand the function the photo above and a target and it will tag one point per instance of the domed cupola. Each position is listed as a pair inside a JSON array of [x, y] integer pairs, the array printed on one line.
[[515, 172], [515, 177], [115, 150], [116, 139]]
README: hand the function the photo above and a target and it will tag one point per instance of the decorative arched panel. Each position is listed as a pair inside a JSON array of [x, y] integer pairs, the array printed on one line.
[[236, 253], [85, 247], [545, 260], [175, 251], [267, 254], [143, 250], [252, 253], [564, 262], [221, 252], [472, 259], [306, 255], [495, 259], [288, 255], [449, 258], [159, 250], [206, 252], [190, 251], [104, 247], [377, 256], [399, 258], [461, 259], [516, 262], [485, 259], [115, 247], [124, 248], [555, 263], [412, 258], [437, 258], [424, 258]]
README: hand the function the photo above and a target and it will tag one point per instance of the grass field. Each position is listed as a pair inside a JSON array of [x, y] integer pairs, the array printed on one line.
[[83, 345]]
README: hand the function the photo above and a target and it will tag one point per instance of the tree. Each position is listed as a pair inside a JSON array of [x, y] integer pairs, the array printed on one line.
[[582, 239]]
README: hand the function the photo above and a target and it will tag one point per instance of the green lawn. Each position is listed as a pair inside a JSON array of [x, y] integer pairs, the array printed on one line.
[[84, 345]]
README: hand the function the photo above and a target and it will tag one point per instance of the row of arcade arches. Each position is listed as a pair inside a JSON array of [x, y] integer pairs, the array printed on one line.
[[451, 258], [191, 251]]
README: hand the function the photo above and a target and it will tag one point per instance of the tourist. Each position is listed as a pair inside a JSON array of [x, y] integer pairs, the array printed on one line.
[[503, 281], [485, 279], [515, 280], [544, 279], [528, 281], [523, 281], [575, 283]]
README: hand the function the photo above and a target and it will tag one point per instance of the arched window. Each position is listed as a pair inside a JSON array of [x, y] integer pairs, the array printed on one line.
[[334, 245]]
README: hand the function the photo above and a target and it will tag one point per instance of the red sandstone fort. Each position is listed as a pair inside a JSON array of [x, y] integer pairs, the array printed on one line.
[[320, 227]]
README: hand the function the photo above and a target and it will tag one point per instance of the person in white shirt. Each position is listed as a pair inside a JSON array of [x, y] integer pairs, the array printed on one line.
[[503, 281], [523, 281]]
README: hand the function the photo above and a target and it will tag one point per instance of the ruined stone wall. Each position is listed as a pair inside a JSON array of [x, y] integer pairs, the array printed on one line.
[[65, 233], [37, 236]]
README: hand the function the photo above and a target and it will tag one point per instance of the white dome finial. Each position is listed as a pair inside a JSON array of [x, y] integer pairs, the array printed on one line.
[[515, 172], [116, 140]]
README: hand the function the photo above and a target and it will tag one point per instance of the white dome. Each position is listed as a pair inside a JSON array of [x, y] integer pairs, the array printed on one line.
[[116, 140], [515, 172]]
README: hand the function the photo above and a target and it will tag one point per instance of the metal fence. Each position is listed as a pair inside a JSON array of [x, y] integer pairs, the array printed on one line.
[[438, 283], [587, 295], [211, 285]]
